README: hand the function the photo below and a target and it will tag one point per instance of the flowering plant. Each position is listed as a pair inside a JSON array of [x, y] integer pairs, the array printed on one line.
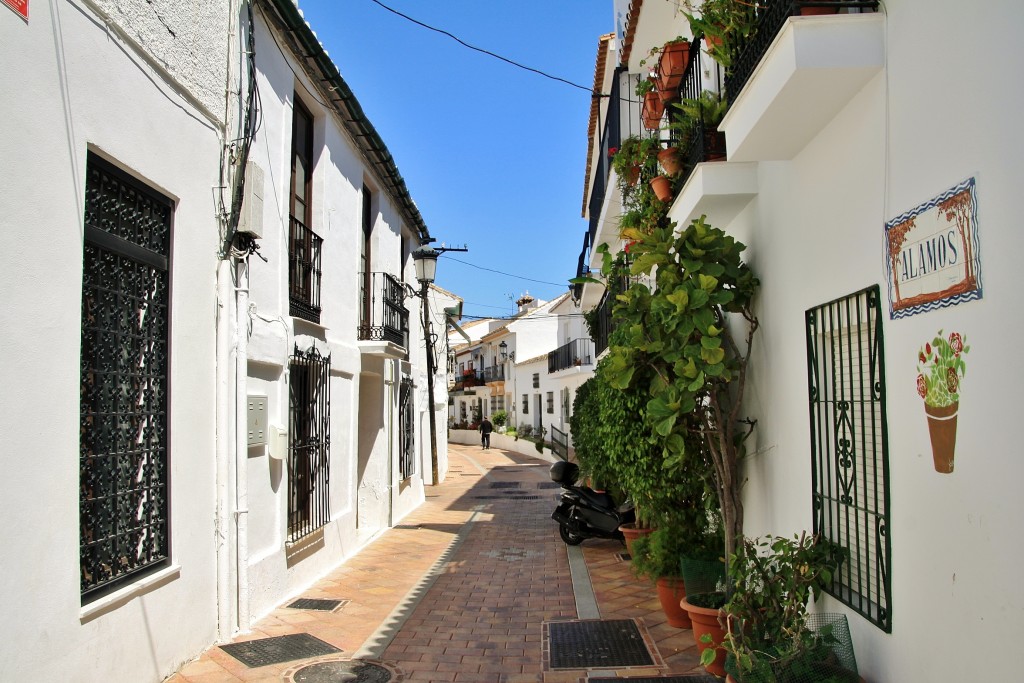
[[940, 367]]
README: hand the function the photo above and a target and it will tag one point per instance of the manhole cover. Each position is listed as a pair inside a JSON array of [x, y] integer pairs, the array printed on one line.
[[597, 643], [335, 672], [266, 651], [504, 484], [317, 605]]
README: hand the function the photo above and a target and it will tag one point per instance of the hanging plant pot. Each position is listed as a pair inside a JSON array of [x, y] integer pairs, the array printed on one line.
[[667, 95], [662, 186], [634, 175], [672, 65], [669, 160], [653, 110]]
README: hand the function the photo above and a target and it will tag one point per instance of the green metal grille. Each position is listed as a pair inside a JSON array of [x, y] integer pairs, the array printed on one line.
[[850, 449]]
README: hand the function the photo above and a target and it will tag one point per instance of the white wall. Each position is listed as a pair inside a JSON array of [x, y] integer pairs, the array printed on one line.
[[72, 84], [815, 233]]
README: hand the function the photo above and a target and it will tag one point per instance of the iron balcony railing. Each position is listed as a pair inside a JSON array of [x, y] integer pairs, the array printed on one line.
[[495, 373], [699, 142], [382, 314], [576, 352], [304, 247], [771, 17], [603, 323], [468, 379]]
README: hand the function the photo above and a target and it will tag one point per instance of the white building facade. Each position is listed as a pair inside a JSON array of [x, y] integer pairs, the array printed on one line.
[[233, 395], [872, 218]]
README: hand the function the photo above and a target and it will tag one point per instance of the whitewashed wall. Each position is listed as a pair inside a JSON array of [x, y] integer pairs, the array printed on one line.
[[72, 84], [815, 233]]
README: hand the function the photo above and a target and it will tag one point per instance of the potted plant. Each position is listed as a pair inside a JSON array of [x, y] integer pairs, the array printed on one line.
[[725, 24], [770, 636], [499, 418], [675, 56], [656, 556], [662, 186], [702, 115], [653, 108]]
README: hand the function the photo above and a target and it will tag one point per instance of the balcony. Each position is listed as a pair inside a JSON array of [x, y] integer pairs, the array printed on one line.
[[603, 323], [495, 373], [795, 74], [383, 316], [304, 247], [468, 380], [577, 352]]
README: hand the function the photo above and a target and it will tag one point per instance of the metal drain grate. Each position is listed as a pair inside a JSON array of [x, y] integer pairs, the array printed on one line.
[[689, 678], [597, 643], [317, 605], [352, 671], [623, 557], [504, 484], [266, 651]]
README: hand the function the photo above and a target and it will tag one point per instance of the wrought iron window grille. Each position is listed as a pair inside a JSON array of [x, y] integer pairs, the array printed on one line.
[[123, 497], [406, 430], [850, 448], [309, 443], [304, 272], [383, 314]]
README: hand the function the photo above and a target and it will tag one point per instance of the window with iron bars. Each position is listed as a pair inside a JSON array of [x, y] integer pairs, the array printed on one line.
[[551, 402], [497, 403], [309, 443], [526, 404], [536, 380], [304, 245], [566, 405], [406, 430], [850, 449], [123, 498]]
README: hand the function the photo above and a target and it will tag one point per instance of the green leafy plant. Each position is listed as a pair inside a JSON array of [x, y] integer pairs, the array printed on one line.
[[710, 108], [940, 368], [499, 418], [677, 347], [725, 24], [772, 580]]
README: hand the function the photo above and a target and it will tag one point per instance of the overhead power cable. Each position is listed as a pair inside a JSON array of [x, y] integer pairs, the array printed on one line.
[[486, 52], [521, 277]]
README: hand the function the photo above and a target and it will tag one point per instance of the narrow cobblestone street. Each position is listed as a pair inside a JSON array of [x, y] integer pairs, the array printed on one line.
[[461, 589]]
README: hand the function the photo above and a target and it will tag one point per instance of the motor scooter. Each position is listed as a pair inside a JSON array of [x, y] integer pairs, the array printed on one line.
[[584, 513]]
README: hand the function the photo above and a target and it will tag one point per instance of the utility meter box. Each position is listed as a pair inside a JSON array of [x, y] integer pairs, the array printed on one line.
[[250, 219], [257, 421]]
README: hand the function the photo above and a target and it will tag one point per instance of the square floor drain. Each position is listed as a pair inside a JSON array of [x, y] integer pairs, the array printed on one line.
[[623, 557], [267, 651], [597, 644], [317, 605], [689, 678], [504, 484]]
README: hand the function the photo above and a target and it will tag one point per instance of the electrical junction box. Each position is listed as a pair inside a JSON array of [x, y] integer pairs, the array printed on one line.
[[251, 218], [257, 421]]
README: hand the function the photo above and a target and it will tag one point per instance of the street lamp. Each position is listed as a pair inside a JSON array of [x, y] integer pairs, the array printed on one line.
[[504, 350], [425, 259]]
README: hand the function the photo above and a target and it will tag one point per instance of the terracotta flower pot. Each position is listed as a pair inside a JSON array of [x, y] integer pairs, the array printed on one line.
[[942, 430], [706, 621], [662, 187], [669, 160], [630, 532], [817, 11], [672, 65], [671, 593], [714, 145], [653, 110], [634, 174]]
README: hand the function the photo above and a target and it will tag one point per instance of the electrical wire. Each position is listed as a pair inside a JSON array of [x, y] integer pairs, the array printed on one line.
[[488, 52], [491, 270]]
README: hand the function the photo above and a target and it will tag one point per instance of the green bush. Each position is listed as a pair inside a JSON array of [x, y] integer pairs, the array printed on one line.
[[499, 418]]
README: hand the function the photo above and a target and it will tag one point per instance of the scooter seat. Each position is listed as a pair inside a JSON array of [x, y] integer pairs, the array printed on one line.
[[597, 498]]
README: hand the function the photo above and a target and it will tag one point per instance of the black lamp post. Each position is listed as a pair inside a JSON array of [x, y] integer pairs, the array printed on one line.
[[425, 259], [504, 350]]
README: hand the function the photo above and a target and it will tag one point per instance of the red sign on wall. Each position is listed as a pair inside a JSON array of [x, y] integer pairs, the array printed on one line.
[[19, 6]]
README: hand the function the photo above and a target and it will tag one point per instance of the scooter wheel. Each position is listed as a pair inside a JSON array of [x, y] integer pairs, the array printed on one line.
[[569, 537]]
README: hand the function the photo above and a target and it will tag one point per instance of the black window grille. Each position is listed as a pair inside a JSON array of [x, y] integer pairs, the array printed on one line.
[[383, 315], [526, 404], [849, 447], [551, 402], [406, 430], [304, 248], [123, 501], [309, 443], [536, 380]]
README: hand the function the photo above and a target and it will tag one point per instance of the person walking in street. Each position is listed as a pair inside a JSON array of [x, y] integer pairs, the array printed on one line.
[[485, 433]]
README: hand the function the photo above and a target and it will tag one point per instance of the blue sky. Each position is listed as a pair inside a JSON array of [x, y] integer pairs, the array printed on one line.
[[493, 155]]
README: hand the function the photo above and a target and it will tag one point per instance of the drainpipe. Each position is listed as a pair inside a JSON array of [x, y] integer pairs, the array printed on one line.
[[225, 452], [241, 444]]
